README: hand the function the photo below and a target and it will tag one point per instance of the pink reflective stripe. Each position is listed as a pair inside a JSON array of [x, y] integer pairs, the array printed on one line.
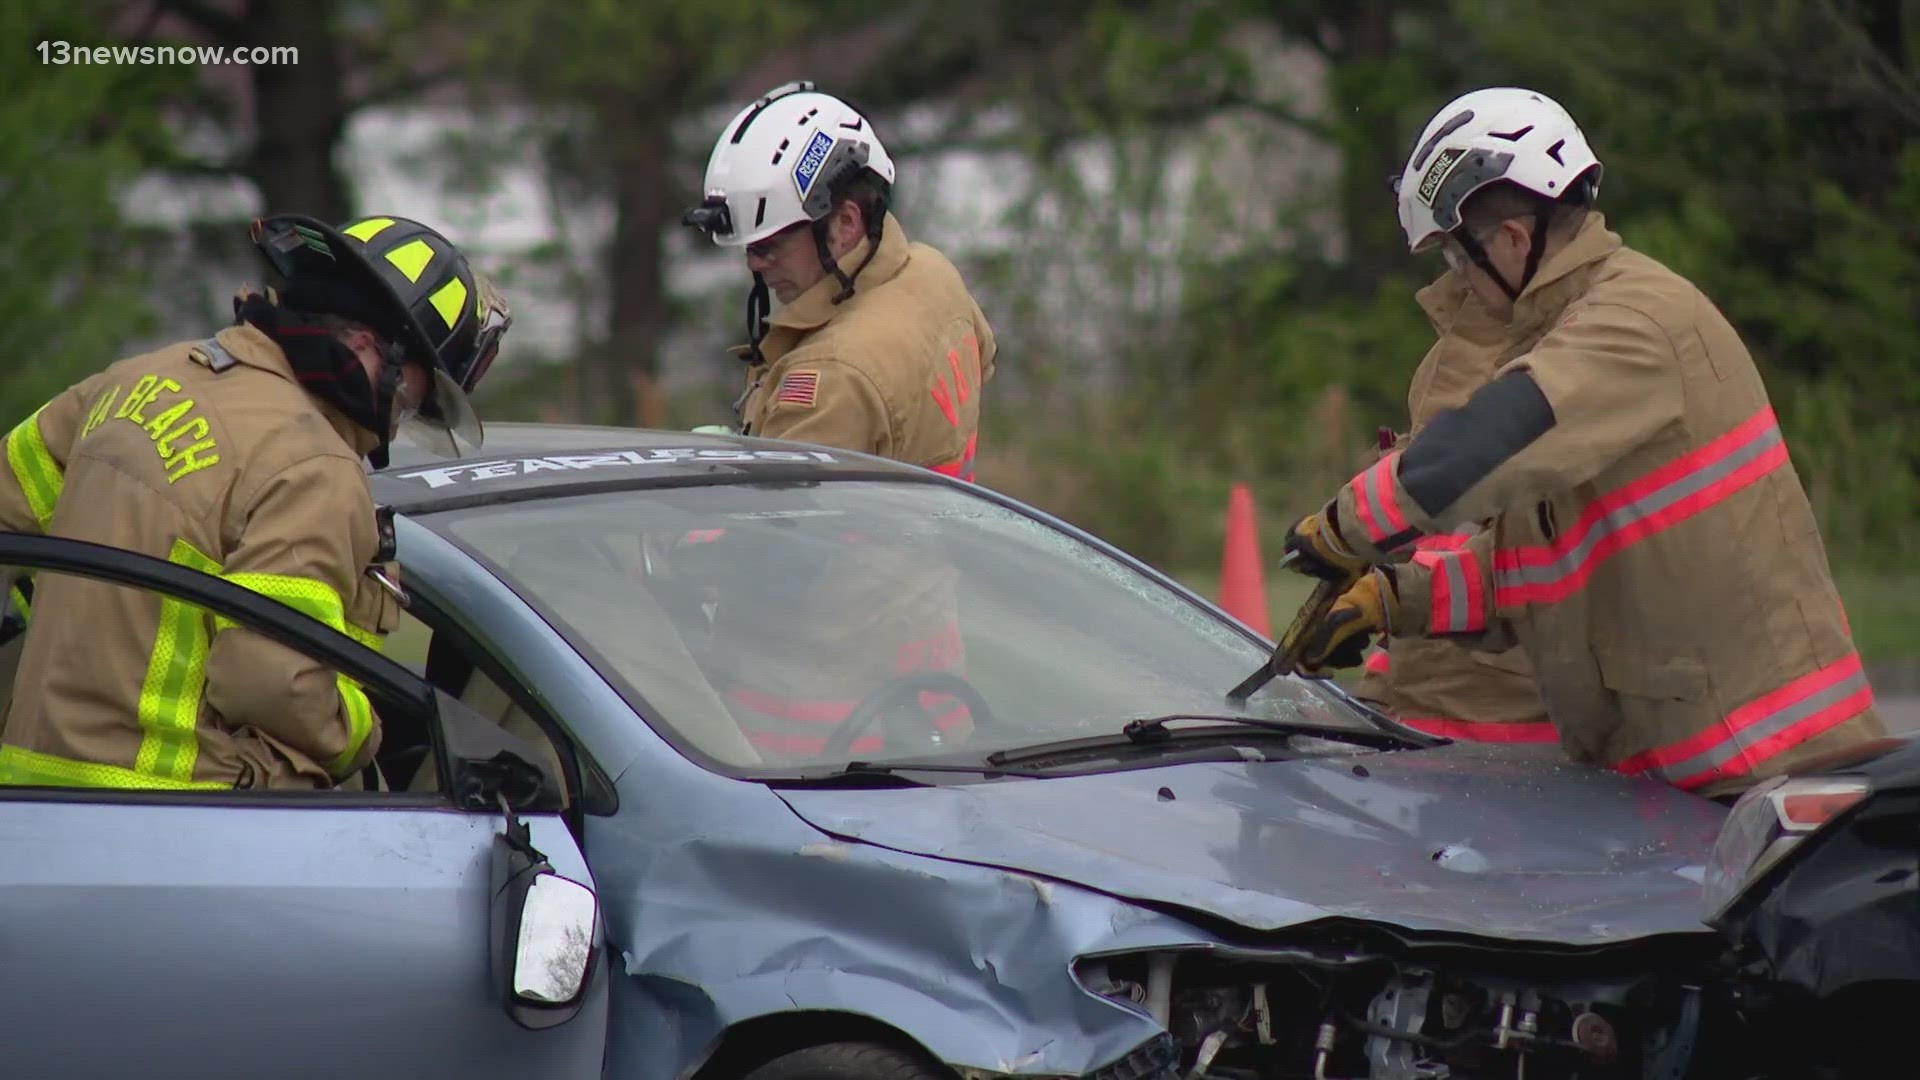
[[1458, 593], [1663, 498], [1374, 500], [770, 723], [957, 714], [962, 469], [1452, 541], [942, 651], [1519, 731], [1379, 662], [1762, 728]]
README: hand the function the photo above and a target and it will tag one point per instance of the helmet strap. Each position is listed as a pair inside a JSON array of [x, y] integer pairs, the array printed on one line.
[[876, 226], [1536, 249], [1479, 256], [384, 396], [831, 264], [758, 305]]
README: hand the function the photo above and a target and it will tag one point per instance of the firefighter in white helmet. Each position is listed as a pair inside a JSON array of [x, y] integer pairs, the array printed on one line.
[[1641, 530], [877, 345]]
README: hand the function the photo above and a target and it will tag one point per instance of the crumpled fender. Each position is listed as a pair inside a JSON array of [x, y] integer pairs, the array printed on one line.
[[972, 962]]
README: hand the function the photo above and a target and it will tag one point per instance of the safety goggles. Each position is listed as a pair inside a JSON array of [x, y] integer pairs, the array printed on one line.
[[766, 249], [486, 343]]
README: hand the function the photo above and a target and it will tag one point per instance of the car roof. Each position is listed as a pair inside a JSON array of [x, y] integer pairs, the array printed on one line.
[[527, 460]]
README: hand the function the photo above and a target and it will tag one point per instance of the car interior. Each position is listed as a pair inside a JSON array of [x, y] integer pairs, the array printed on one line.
[[435, 649], [440, 653]]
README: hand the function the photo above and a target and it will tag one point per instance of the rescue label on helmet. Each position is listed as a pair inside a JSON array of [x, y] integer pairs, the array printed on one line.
[[474, 472], [807, 169], [1437, 173]]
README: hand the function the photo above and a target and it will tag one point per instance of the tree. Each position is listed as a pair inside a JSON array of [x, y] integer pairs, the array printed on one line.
[[71, 136], [617, 92], [1765, 151], [286, 119]]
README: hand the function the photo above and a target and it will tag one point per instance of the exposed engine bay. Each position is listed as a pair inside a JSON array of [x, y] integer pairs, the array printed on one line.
[[1353, 1014]]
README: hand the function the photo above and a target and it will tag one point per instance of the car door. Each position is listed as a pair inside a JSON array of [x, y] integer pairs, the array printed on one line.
[[323, 934]]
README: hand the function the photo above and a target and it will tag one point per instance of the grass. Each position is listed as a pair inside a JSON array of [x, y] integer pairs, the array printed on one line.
[[1883, 606]]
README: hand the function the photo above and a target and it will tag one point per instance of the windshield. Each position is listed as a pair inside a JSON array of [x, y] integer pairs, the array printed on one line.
[[774, 626]]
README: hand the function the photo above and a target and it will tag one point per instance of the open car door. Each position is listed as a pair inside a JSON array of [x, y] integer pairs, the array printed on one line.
[[294, 934]]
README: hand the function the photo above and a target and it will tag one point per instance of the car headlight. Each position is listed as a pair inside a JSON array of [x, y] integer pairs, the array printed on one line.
[[1767, 821]]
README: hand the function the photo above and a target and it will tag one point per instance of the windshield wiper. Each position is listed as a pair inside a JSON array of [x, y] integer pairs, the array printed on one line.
[[895, 768], [987, 768], [1152, 731]]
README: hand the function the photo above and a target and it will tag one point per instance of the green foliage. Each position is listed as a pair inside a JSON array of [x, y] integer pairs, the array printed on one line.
[[1759, 149], [70, 136]]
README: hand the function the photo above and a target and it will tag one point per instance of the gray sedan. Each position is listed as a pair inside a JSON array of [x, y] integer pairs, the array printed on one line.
[[723, 758]]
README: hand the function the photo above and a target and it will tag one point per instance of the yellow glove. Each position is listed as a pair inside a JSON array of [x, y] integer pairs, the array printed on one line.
[[1322, 553], [1340, 639]]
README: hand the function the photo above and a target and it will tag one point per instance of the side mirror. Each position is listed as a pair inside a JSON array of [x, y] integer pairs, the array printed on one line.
[[554, 947], [545, 934]]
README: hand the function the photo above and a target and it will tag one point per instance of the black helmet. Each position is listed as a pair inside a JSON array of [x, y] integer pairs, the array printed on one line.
[[406, 281]]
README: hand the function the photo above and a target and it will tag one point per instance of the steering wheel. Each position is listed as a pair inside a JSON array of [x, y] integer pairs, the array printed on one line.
[[871, 706]]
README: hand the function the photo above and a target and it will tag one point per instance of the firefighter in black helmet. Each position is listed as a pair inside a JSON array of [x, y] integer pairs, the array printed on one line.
[[242, 455]]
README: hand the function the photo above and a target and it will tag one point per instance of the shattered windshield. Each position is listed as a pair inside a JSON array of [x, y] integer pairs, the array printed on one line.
[[813, 623]]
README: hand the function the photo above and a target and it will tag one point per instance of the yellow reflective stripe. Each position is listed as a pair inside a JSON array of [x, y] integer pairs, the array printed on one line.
[[319, 601], [20, 604], [314, 599], [359, 724], [368, 638], [28, 768], [412, 258], [364, 231], [169, 707], [34, 468], [449, 300]]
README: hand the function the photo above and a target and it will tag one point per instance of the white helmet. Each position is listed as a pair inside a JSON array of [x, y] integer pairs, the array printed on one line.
[[777, 159], [1503, 133]]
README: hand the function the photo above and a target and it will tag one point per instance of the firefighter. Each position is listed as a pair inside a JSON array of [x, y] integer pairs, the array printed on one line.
[[877, 345], [1434, 684], [1647, 539], [243, 455]]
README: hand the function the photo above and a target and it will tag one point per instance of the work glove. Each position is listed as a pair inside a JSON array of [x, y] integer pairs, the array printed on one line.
[[1340, 639], [1315, 540]]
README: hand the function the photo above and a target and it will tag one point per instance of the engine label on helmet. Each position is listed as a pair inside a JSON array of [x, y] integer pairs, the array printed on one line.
[[474, 472], [1443, 163], [807, 169]]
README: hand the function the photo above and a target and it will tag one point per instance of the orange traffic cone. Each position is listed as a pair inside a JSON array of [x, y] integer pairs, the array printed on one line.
[[1243, 587]]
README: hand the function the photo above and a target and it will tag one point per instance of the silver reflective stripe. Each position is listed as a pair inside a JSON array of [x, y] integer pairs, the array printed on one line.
[[1638, 510], [1456, 594], [1738, 743], [1375, 484]]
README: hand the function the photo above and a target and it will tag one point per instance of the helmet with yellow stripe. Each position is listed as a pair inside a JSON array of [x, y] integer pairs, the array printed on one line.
[[409, 283]]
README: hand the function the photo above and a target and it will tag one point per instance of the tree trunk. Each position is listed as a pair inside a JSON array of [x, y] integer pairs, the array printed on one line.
[[300, 110], [642, 189], [1371, 149]]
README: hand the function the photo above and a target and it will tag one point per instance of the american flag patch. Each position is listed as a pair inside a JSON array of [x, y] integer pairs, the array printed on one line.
[[798, 388]]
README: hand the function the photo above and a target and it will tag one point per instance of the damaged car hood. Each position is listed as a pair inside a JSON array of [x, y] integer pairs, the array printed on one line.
[[1486, 841]]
